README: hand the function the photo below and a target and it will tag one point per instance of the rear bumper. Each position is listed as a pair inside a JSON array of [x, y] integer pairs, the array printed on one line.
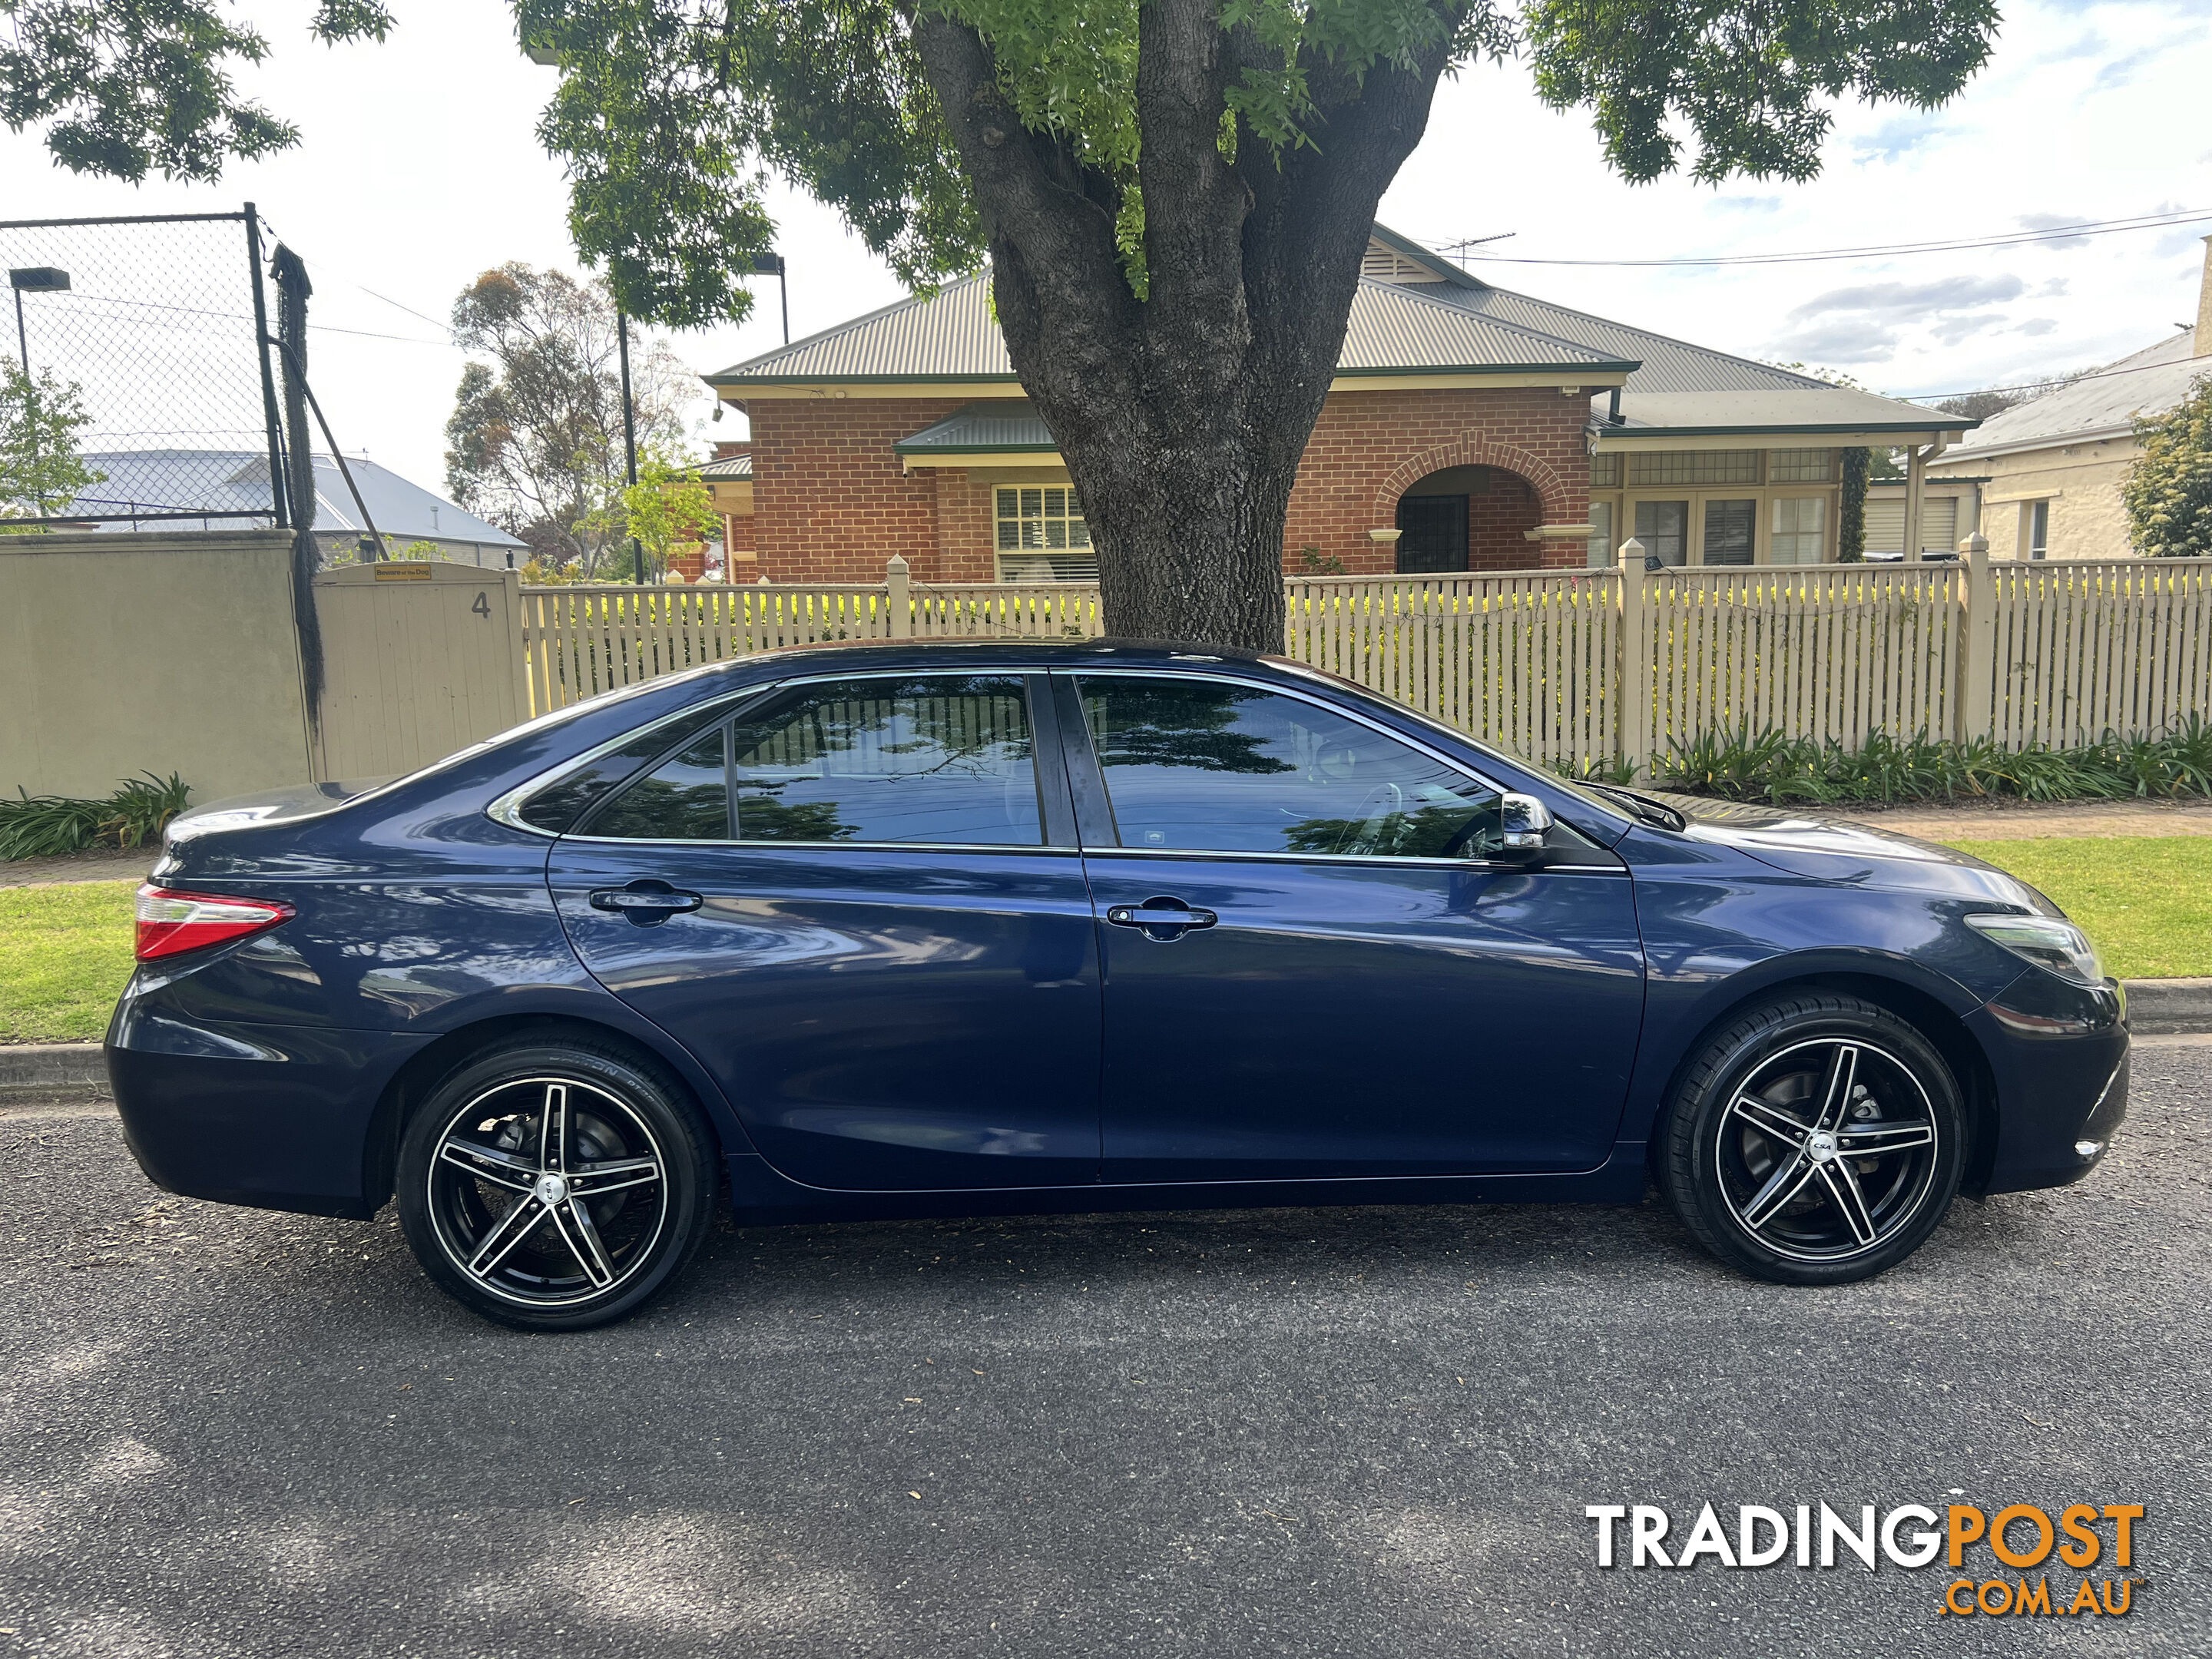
[[274, 1116], [2060, 1057]]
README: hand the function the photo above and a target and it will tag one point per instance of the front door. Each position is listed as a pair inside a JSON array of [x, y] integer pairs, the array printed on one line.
[[861, 908], [1432, 534], [1312, 968]]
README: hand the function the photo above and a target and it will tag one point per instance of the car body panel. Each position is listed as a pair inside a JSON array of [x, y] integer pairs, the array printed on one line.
[[272, 1071]]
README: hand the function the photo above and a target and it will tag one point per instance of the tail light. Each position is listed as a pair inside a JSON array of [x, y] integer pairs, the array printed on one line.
[[171, 923]]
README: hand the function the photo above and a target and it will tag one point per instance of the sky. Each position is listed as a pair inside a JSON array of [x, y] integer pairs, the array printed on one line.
[[418, 169]]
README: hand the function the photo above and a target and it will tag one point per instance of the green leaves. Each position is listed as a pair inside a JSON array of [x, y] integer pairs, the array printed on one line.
[[40, 469], [1752, 80], [2168, 491]]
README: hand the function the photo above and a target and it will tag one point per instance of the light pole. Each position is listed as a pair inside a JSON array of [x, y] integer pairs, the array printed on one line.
[[629, 438], [32, 279], [771, 265]]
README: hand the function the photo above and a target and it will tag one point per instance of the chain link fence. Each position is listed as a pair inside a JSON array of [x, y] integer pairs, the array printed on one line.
[[139, 387]]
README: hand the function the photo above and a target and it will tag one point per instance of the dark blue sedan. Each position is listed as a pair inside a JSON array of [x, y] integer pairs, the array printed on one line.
[[1008, 926]]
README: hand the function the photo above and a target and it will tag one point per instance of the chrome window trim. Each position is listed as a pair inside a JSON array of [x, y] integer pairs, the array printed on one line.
[[830, 846], [508, 808], [1521, 866]]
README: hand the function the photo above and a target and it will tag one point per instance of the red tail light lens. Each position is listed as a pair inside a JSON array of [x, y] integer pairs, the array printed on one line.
[[171, 923]]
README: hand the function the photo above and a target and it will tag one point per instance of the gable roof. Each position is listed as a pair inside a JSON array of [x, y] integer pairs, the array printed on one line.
[[951, 336], [2103, 403]]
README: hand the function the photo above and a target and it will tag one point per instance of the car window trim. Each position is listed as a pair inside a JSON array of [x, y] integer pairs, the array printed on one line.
[[1101, 813], [1035, 690], [506, 808]]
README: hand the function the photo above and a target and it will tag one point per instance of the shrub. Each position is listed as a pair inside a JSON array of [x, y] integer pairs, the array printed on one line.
[[39, 826], [1767, 766]]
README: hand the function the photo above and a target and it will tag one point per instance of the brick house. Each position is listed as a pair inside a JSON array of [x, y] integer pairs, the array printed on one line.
[[1468, 428]]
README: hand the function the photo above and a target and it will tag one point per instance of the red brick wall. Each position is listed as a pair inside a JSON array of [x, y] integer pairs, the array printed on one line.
[[1371, 447], [831, 502]]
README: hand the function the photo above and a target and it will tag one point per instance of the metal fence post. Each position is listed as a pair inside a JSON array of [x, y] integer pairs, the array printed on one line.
[[1972, 716], [896, 599], [1632, 687]]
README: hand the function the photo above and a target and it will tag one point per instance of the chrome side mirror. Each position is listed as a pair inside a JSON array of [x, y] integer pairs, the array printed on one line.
[[1523, 822]]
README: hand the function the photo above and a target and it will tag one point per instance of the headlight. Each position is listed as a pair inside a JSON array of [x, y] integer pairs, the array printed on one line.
[[2047, 942]]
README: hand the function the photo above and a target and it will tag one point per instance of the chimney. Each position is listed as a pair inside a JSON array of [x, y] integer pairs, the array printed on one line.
[[2204, 306]]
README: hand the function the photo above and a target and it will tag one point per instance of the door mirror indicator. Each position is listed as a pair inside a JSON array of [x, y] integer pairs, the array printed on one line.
[[1524, 821]]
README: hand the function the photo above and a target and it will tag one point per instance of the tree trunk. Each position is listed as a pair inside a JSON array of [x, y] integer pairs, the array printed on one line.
[[1182, 416]]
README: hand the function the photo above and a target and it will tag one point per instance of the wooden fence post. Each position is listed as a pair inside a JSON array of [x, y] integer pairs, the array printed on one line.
[[897, 598], [1971, 714], [1632, 685]]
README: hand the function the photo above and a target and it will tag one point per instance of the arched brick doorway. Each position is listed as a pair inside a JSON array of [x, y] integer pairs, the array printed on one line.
[[1467, 517]]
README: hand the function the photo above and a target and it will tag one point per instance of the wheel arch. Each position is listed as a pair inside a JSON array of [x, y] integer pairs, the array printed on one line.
[[1930, 1015], [403, 1094]]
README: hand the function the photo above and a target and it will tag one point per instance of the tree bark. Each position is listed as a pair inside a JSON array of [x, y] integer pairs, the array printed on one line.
[[1181, 416]]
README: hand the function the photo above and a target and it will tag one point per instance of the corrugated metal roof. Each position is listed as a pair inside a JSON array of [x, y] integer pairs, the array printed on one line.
[[1008, 425], [954, 337], [2148, 382], [216, 480], [730, 469]]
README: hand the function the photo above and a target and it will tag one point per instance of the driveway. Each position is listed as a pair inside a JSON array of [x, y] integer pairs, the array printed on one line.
[[1276, 1432]]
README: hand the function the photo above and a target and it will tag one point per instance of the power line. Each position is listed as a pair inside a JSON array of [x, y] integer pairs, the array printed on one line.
[[2009, 239], [2038, 386]]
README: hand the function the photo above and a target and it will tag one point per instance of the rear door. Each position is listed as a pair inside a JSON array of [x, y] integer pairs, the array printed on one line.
[[1314, 967], [861, 906]]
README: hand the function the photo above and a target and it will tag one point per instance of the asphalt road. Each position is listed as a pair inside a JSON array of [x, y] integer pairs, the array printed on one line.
[[1340, 1432]]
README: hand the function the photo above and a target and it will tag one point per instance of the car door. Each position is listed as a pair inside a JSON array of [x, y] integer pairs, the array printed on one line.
[[860, 903], [1317, 961]]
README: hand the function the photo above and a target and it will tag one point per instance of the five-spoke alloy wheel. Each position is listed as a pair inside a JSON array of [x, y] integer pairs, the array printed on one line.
[[1817, 1140], [554, 1187]]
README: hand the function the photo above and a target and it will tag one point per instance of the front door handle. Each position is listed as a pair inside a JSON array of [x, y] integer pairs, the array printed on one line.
[[1161, 920], [646, 903]]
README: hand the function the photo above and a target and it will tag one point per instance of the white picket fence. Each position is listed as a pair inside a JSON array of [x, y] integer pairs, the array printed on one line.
[[1543, 662]]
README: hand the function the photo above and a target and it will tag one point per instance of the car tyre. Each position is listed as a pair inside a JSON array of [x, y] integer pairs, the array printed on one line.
[[555, 1186], [1816, 1139]]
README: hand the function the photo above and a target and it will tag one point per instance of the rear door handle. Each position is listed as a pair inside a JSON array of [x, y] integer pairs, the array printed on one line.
[[1161, 919], [645, 903]]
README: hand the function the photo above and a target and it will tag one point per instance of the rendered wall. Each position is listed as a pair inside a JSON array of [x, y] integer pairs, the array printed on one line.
[[124, 653], [2082, 483]]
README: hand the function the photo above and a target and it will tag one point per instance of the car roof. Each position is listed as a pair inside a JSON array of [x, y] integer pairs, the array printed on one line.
[[1010, 652]]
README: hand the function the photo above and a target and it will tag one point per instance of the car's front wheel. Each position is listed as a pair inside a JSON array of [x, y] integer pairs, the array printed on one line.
[[555, 1185], [1817, 1140]]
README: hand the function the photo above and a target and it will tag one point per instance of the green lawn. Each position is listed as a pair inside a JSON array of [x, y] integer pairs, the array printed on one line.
[[64, 954], [2146, 900]]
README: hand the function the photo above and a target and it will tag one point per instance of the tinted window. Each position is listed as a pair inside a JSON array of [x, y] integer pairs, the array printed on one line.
[[938, 759], [683, 799], [559, 806], [1203, 766]]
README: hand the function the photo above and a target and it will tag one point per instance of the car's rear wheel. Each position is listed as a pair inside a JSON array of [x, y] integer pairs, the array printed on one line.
[[1818, 1139], [555, 1185]]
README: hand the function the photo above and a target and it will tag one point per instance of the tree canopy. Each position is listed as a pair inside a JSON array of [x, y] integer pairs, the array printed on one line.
[[2168, 492]]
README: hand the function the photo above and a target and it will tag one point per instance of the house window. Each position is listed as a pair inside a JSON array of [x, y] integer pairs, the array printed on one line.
[[2039, 530], [1730, 530], [1800, 466], [1694, 466], [1601, 545], [1043, 537], [1800, 525], [1605, 472], [1663, 528]]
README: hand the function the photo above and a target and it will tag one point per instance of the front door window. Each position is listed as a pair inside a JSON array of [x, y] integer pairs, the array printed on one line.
[[1433, 534]]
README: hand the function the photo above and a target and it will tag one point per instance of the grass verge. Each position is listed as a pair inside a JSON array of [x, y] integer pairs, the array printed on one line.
[[2146, 900], [64, 955]]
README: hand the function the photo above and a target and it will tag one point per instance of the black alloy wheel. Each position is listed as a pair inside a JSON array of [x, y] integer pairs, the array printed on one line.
[[1818, 1139], [554, 1187]]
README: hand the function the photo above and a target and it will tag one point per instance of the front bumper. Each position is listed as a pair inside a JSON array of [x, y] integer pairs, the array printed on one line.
[[275, 1116], [2059, 1054]]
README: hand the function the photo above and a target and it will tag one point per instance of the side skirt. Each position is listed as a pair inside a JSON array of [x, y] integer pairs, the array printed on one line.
[[759, 1197]]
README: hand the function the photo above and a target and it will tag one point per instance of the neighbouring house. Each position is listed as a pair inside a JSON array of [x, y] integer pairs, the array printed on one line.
[[729, 481], [1469, 427], [2053, 468], [1949, 510], [231, 486]]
